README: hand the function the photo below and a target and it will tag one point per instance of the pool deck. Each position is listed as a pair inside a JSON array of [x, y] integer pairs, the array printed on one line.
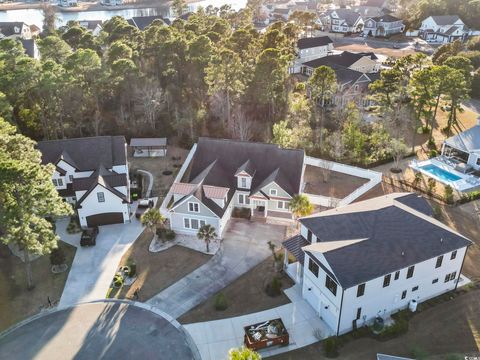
[[465, 183]]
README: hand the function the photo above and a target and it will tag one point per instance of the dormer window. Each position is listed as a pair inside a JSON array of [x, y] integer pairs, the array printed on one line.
[[273, 192], [243, 183], [193, 207]]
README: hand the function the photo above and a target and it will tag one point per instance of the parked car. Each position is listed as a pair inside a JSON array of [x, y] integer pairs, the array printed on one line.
[[396, 46], [143, 205], [89, 236]]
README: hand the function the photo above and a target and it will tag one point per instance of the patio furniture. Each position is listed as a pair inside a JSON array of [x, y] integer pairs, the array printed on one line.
[[266, 334]]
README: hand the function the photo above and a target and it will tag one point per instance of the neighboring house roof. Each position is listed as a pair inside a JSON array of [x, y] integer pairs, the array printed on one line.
[[148, 142], [282, 11], [101, 180], [366, 11], [29, 47], [90, 24], [85, 154], [391, 357], [378, 236], [451, 30], [11, 28], [34, 29], [442, 20], [141, 22], [307, 43], [468, 140], [183, 188], [215, 192], [246, 167], [216, 161], [350, 16], [385, 18], [294, 246], [345, 59], [110, 178]]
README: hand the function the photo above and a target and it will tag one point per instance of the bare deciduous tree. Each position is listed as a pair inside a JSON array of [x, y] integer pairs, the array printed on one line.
[[152, 100], [326, 169], [243, 126]]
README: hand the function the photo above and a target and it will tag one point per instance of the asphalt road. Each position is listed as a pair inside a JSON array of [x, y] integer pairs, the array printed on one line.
[[97, 331]]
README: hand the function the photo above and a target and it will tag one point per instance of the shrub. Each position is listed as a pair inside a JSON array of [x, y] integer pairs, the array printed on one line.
[[74, 225], [419, 353], [170, 235], [133, 268], [57, 257], [432, 153], [220, 302], [448, 194], [431, 144], [167, 172], [161, 232], [437, 211], [118, 281], [274, 288], [330, 347], [418, 178]]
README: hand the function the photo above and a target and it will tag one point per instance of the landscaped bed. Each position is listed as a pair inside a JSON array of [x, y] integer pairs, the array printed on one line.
[[157, 271], [18, 303], [339, 185], [245, 295]]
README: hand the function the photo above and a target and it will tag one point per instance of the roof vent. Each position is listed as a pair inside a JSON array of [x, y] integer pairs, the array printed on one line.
[[403, 253], [441, 240]]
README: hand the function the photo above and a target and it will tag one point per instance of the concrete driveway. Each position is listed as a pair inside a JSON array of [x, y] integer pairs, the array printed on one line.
[[101, 330], [94, 267], [244, 246]]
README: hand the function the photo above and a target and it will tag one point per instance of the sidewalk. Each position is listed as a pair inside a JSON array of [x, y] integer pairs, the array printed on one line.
[[94, 267], [244, 246], [215, 338]]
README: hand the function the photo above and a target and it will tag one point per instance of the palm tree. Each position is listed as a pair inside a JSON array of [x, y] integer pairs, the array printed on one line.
[[300, 206], [152, 219], [207, 233], [243, 353]]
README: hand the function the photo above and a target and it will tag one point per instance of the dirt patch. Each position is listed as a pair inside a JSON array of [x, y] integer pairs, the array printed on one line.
[[244, 296], [338, 186], [18, 303], [450, 327], [157, 271], [157, 165], [378, 50]]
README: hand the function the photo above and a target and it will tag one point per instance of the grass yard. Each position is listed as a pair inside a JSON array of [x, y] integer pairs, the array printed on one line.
[[339, 185], [157, 165], [245, 295], [382, 50], [157, 271], [18, 303]]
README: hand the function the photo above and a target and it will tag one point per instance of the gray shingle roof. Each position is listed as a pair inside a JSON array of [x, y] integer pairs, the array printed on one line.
[[111, 178], [294, 246], [385, 18], [348, 15], [141, 22], [85, 153], [445, 19], [29, 46], [216, 162], [396, 238], [8, 28], [345, 59], [307, 43], [468, 140]]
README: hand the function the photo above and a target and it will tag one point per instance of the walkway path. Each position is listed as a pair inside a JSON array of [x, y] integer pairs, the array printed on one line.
[[244, 246], [94, 267], [148, 193], [215, 338]]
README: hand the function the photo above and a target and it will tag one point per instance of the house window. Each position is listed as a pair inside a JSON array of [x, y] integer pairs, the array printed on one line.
[[193, 207], [359, 313], [283, 205], [397, 275], [434, 281], [404, 294], [447, 278], [243, 182], [360, 290], [331, 285], [70, 177], [439, 262], [415, 288], [386, 280], [101, 197], [60, 182], [410, 272], [313, 267], [309, 236], [193, 224], [273, 191], [454, 255], [55, 182], [243, 199]]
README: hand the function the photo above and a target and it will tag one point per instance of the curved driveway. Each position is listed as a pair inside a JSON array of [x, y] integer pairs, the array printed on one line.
[[101, 330]]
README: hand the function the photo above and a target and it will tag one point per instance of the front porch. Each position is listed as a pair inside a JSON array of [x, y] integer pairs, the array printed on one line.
[[293, 246]]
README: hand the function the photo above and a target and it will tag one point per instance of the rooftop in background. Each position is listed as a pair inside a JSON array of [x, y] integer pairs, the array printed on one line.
[[86, 153], [344, 59], [379, 236], [467, 141], [306, 43], [148, 142], [445, 19], [141, 22]]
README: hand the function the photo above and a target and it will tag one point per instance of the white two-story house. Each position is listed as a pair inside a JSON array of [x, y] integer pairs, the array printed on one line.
[[228, 174], [92, 175], [373, 258], [342, 21], [15, 30], [383, 26], [311, 48], [443, 29]]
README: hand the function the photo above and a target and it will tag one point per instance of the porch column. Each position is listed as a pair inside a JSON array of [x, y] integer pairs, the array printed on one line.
[[251, 206], [299, 272], [285, 259], [266, 208]]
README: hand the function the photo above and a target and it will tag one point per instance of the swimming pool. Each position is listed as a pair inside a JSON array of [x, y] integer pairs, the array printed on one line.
[[440, 173]]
